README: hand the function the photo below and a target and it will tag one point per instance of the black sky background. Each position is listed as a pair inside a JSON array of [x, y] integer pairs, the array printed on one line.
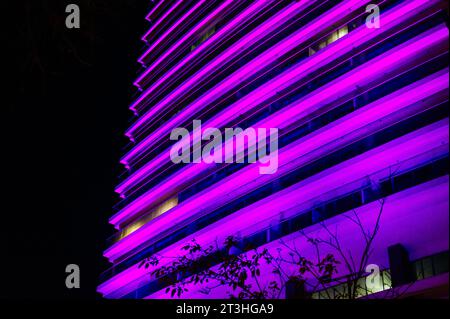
[[63, 115]]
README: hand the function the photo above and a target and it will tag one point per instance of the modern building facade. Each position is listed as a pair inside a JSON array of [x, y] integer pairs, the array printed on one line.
[[362, 118]]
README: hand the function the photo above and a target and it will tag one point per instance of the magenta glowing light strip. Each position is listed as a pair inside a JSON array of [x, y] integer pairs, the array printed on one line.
[[242, 74], [305, 150], [234, 50], [342, 46], [188, 35], [369, 72], [160, 20], [423, 145], [149, 15], [374, 112], [230, 27]]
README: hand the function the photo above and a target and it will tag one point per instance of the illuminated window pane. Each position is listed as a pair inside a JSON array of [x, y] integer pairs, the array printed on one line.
[[161, 209], [342, 32]]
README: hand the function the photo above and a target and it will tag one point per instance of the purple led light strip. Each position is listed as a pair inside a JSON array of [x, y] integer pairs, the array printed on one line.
[[422, 145], [160, 20], [149, 15], [396, 16], [242, 74], [350, 128]]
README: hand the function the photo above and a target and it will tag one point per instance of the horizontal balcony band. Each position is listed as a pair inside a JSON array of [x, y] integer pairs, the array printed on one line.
[[138, 237], [154, 10], [401, 155], [206, 46], [407, 218], [355, 126], [265, 59], [330, 90]]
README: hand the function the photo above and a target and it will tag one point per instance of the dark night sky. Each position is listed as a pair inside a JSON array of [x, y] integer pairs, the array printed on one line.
[[62, 135]]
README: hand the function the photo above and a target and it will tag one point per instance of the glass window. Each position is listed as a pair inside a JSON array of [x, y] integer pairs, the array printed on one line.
[[336, 35]]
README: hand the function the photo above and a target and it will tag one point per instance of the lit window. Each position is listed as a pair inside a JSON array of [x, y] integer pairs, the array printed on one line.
[[336, 35], [159, 210]]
